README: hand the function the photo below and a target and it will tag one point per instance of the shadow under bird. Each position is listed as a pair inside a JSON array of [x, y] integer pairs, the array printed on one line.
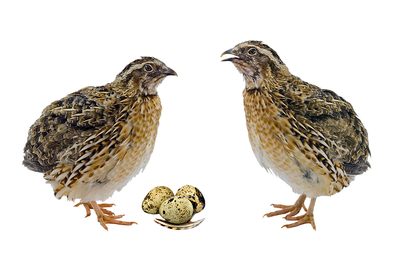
[[309, 137], [94, 141]]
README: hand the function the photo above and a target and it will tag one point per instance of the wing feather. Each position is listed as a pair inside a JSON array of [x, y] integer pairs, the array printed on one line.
[[336, 119], [62, 129]]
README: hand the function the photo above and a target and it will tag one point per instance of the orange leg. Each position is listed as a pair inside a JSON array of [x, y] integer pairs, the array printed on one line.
[[104, 216], [308, 217], [292, 209], [88, 207]]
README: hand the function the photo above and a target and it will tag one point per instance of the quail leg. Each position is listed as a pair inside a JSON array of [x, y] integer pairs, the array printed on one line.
[[308, 217], [104, 216], [292, 209], [88, 207]]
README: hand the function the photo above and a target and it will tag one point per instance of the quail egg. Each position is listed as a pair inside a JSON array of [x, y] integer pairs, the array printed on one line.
[[194, 195], [176, 210], [155, 198]]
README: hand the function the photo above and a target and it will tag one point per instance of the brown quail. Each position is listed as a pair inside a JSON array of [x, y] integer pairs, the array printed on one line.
[[310, 137], [92, 142]]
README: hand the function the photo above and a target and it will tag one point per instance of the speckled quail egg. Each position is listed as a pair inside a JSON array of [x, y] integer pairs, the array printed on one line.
[[176, 210], [194, 195], [155, 198]]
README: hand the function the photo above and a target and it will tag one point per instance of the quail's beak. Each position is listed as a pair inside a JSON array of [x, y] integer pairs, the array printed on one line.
[[170, 72], [230, 52]]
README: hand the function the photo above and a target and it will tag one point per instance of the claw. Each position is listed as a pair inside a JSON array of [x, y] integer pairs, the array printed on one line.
[[303, 219], [104, 216], [89, 206], [293, 210]]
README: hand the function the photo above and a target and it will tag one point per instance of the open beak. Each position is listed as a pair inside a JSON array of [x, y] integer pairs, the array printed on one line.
[[230, 52], [170, 72]]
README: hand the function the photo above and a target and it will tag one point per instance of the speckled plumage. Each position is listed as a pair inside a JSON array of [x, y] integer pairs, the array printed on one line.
[[92, 142], [310, 137]]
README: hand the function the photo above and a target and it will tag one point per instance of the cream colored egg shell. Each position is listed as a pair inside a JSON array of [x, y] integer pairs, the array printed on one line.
[[194, 195], [155, 198], [176, 210]]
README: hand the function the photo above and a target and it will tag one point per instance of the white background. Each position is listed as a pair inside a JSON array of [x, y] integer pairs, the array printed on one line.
[[49, 50]]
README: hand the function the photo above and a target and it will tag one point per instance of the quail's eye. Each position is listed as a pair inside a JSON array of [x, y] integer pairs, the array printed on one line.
[[148, 68], [252, 51]]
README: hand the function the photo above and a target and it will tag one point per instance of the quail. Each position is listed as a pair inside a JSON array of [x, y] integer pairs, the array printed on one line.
[[309, 137], [94, 141]]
